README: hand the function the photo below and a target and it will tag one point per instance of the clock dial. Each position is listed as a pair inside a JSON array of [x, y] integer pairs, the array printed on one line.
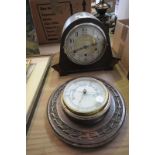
[[85, 95], [85, 44]]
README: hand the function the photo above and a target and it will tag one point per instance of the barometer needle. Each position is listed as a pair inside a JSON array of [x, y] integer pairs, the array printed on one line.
[[88, 93], [81, 98]]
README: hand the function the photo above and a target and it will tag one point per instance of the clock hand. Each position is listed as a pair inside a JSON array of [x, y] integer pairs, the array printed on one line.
[[84, 47]]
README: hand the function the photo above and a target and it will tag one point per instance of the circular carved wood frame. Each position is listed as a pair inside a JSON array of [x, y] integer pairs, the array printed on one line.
[[84, 135]]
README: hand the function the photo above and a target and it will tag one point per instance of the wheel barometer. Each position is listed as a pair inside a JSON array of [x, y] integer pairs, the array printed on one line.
[[85, 45], [86, 112]]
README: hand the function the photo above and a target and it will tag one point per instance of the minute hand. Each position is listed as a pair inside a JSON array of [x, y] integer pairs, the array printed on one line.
[[84, 47]]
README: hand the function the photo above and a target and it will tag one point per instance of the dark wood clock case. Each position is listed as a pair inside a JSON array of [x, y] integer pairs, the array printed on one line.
[[107, 61]]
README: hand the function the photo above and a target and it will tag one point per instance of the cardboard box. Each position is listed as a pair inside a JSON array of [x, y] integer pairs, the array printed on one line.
[[120, 43], [49, 17]]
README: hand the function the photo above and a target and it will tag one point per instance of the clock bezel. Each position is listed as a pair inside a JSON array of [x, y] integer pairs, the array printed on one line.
[[101, 53]]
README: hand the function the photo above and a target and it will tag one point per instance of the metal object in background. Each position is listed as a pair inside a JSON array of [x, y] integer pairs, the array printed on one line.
[[107, 18], [102, 7]]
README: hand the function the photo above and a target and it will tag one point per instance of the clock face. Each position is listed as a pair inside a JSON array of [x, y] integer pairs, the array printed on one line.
[[85, 44], [85, 95]]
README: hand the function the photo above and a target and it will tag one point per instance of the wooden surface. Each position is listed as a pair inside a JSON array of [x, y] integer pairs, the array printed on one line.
[[41, 140]]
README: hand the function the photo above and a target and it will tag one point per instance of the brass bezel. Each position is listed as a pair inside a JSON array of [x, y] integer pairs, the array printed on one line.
[[86, 117], [88, 113]]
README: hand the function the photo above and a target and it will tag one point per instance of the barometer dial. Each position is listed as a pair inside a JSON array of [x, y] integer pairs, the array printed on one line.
[[85, 96]]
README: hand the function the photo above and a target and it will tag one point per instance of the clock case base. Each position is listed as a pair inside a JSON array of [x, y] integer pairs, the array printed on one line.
[[107, 61]]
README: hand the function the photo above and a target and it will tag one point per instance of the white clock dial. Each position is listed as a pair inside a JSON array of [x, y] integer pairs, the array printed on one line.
[[85, 44], [85, 95]]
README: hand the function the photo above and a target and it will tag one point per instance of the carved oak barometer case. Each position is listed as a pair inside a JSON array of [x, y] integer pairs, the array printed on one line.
[[86, 112]]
